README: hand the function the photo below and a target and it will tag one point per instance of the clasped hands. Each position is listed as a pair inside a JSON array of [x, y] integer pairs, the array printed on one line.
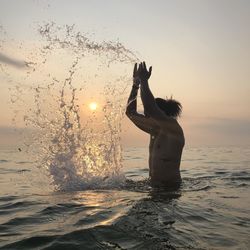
[[141, 74]]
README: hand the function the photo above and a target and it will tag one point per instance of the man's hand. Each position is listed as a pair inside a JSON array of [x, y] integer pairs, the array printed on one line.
[[143, 73], [136, 78]]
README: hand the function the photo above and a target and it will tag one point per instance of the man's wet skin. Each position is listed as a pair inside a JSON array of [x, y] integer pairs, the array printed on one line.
[[166, 135]]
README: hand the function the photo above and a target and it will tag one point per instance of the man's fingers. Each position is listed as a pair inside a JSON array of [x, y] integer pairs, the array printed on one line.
[[150, 70], [140, 68], [135, 69]]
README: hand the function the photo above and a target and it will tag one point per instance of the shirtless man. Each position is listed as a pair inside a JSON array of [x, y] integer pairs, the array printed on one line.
[[159, 120]]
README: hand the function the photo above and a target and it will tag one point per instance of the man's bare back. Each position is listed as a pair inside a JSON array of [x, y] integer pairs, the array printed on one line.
[[166, 135]]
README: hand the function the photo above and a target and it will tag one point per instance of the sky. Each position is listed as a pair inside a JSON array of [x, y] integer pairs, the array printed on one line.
[[199, 50]]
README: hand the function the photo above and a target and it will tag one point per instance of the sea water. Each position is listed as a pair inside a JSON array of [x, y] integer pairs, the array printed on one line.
[[69, 184], [209, 211]]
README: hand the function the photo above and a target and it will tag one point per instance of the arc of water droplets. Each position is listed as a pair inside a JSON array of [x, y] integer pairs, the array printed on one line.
[[75, 156]]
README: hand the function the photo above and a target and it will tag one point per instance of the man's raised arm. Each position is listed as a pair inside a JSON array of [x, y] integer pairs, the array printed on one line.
[[150, 107], [139, 120], [132, 100]]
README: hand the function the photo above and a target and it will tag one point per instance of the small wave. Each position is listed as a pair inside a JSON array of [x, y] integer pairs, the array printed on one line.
[[21, 221], [138, 186], [187, 185], [230, 197], [29, 243], [143, 170], [18, 204], [133, 175], [9, 170], [193, 189], [243, 185], [221, 172], [62, 208], [238, 178], [23, 162], [23, 170], [94, 183], [100, 237], [241, 178], [3, 161], [8, 198], [240, 173], [135, 158], [197, 184]]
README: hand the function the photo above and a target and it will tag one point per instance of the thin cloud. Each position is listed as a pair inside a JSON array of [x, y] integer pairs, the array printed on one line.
[[13, 62], [217, 131], [223, 125]]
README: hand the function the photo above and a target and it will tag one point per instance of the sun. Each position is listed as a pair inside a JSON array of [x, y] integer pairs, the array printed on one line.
[[93, 106]]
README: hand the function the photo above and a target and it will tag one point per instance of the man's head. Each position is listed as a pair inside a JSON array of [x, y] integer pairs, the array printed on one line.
[[170, 107]]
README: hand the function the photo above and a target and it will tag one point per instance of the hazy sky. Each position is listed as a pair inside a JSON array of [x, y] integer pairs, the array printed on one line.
[[199, 50]]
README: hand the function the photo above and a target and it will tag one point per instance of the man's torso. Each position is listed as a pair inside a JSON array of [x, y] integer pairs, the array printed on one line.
[[165, 151]]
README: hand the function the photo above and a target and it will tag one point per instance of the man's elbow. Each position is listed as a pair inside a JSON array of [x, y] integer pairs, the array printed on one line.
[[129, 113]]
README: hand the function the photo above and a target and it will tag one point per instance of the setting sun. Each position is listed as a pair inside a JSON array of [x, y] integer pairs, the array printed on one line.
[[93, 106]]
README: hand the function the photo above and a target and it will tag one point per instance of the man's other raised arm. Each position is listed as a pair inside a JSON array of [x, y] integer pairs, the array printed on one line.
[[132, 100], [131, 111]]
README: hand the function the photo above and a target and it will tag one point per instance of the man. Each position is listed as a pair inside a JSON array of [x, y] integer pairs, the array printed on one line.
[[159, 120]]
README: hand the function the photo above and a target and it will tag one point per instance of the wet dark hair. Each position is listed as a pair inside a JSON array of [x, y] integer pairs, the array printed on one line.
[[170, 106]]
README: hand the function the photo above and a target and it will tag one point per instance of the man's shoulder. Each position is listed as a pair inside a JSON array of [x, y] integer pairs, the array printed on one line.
[[167, 121], [170, 125]]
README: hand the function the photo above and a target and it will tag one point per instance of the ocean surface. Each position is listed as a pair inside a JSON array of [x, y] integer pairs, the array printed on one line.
[[211, 209]]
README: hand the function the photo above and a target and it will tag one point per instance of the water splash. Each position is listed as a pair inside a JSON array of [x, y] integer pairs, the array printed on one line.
[[80, 43], [79, 150]]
